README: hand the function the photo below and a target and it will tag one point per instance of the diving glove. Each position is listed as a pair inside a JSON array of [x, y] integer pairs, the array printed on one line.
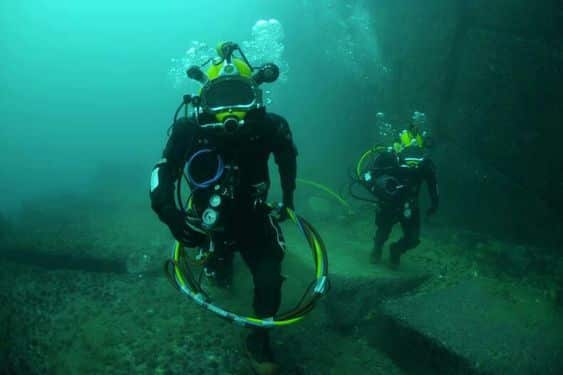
[[287, 204], [279, 212], [178, 223]]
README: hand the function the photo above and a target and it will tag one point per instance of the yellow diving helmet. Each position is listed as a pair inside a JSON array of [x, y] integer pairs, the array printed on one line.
[[230, 90], [411, 136], [231, 86]]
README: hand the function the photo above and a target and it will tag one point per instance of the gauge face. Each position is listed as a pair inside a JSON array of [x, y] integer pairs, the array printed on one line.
[[215, 201], [209, 217]]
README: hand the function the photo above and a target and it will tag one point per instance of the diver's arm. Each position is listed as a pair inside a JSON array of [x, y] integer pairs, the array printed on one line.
[[168, 169], [285, 154], [432, 182]]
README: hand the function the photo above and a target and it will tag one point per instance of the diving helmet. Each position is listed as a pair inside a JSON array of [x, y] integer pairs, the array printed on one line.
[[231, 86], [412, 136]]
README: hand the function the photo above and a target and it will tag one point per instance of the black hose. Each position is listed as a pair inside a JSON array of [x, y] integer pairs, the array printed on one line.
[[178, 111], [301, 306], [169, 272], [179, 202], [308, 300], [245, 59], [353, 195], [316, 235], [176, 117]]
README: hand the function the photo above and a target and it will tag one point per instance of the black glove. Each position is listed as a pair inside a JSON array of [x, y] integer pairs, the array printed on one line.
[[279, 212], [287, 203], [182, 232], [431, 211]]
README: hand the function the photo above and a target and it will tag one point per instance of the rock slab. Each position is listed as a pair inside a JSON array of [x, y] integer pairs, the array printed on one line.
[[470, 328]]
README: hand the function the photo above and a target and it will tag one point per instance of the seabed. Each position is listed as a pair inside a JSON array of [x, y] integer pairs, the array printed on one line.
[[83, 292]]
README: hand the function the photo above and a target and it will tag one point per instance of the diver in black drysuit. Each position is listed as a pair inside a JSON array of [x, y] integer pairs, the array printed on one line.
[[245, 220], [395, 180]]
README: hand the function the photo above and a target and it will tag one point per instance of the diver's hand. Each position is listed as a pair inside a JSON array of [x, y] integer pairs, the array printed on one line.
[[431, 211], [279, 212], [183, 233]]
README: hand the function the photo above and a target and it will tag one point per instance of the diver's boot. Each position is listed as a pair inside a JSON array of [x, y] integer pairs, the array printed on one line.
[[375, 255], [395, 255], [257, 347]]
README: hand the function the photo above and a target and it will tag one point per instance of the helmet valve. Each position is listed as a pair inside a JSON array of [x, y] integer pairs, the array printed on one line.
[[268, 73], [194, 72], [231, 124]]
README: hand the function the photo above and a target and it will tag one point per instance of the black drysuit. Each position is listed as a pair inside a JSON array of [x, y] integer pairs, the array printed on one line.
[[246, 225], [405, 173]]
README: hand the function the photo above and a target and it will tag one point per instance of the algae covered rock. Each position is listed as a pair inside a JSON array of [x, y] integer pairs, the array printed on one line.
[[478, 326]]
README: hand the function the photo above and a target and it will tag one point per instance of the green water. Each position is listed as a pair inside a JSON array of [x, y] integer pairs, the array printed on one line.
[[87, 97]]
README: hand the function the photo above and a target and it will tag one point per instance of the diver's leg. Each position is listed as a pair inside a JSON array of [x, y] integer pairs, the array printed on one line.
[[262, 246], [410, 223], [384, 223], [219, 265], [264, 255]]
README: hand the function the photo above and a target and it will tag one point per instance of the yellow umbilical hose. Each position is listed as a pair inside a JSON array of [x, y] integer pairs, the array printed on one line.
[[330, 192], [182, 277], [376, 148]]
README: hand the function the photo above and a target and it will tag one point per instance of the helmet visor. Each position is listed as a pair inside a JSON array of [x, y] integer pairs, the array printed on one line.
[[230, 93]]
